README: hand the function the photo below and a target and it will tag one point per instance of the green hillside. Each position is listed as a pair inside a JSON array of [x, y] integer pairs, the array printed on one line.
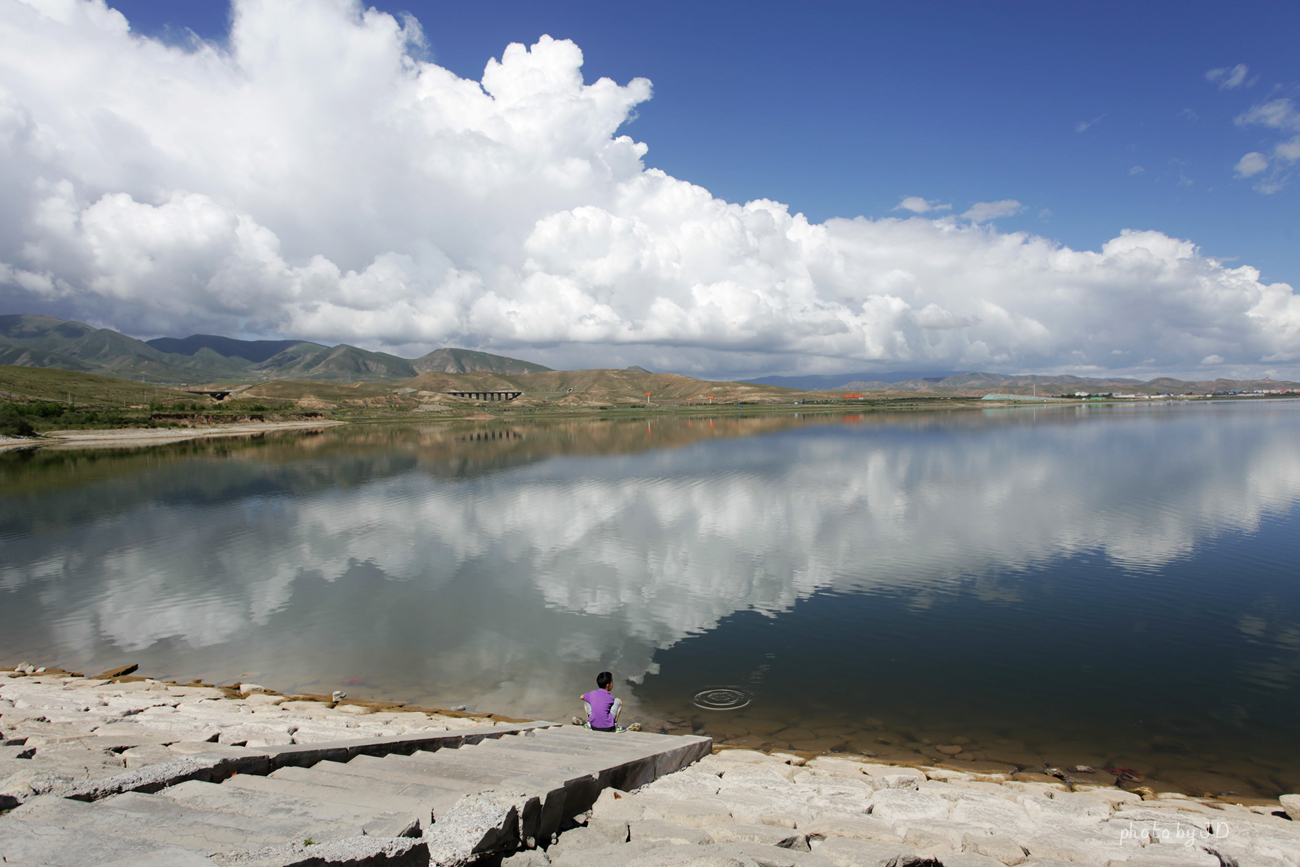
[[470, 361], [36, 399], [27, 357], [44, 341], [76, 346], [77, 388], [252, 351], [340, 363]]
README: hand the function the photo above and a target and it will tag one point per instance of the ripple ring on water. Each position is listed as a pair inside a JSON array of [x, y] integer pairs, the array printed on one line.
[[722, 698]]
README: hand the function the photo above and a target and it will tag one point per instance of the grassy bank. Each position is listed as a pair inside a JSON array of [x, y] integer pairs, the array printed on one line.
[[36, 400]]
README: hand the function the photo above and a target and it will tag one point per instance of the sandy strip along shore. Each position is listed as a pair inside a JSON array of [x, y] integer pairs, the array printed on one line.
[[131, 437], [737, 808]]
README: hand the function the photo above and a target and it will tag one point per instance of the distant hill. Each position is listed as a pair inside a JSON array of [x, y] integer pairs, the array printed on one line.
[[602, 388], [979, 384], [249, 350], [470, 361], [51, 342], [23, 356], [43, 341], [46, 342], [339, 363], [839, 381]]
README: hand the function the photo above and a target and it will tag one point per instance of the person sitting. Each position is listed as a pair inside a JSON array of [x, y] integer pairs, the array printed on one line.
[[602, 708]]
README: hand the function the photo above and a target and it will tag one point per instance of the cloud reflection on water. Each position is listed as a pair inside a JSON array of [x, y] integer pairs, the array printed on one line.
[[516, 585]]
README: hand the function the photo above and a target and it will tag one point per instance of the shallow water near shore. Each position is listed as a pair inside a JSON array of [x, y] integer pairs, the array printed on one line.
[[1110, 585]]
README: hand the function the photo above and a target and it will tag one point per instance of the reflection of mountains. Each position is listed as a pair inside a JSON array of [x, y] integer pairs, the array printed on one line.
[[444, 450], [480, 558], [298, 464]]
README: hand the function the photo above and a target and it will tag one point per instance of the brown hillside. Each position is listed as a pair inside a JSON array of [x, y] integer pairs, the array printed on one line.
[[590, 388], [316, 394], [604, 387]]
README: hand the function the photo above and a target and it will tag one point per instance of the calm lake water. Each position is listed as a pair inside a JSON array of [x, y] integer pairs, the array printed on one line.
[[1080, 585]]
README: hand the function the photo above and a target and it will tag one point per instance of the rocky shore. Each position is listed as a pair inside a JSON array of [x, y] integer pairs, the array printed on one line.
[[58, 730], [735, 808], [780, 810]]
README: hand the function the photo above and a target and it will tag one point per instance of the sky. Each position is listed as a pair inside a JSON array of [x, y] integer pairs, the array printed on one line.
[[719, 189]]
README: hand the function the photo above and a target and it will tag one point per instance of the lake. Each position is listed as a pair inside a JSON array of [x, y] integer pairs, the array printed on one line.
[[1092, 585]]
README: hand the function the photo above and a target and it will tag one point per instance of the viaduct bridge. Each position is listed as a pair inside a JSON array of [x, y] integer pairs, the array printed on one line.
[[486, 395]]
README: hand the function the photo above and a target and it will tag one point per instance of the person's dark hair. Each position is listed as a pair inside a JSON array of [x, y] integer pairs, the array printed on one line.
[[604, 679]]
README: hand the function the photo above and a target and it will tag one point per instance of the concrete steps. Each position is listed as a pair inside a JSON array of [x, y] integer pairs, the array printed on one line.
[[373, 820], [344, 792], [368, 799], [43, 845], [158, 820], [384, 780]]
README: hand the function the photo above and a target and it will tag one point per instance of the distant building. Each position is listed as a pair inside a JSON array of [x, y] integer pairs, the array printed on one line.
[[1027, 397]]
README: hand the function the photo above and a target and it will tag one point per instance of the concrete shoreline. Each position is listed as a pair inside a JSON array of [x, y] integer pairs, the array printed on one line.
[[127, 771], [740, 808], [59, 730], [838, 812]]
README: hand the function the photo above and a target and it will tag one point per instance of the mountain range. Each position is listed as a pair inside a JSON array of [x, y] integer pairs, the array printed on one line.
[[43, 341], [831, 382], [978, 384]]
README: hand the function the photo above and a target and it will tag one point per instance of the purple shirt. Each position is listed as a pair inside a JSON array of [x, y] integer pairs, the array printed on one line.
[[602, 702]]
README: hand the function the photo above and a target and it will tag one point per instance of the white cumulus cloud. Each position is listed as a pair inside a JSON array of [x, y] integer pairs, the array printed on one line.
[[918, 205], [313, 177], [982, 212], [1279, 114], [1228, 78], [1251, 164]]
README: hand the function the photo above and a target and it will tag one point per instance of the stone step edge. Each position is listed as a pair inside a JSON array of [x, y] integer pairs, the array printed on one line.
[[517, 815], [213, 769], [521, 811], [344, 852]]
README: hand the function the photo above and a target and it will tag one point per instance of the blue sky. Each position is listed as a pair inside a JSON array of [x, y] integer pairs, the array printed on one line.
[[843, 109], [1056, 157]]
